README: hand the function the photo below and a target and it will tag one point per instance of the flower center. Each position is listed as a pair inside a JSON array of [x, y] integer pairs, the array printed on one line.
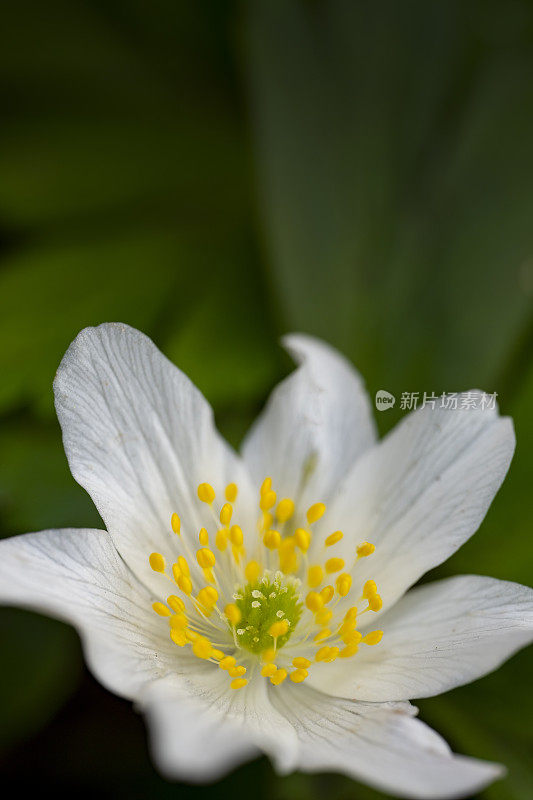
[[276, 611], [268, 606]]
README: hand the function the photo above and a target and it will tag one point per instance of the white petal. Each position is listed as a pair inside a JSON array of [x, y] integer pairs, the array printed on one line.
[[316, 424], [421, 493], [438, 636], [140, 438], [379, 744], [201, 729], [78, 576]]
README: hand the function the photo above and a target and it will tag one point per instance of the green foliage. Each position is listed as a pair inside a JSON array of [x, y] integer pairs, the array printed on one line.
[[218, 174]]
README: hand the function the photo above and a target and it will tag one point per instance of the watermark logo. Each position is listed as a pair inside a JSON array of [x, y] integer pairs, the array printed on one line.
[[384, 400]]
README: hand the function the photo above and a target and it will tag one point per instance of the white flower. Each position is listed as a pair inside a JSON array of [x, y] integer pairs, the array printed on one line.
[[224, 599]]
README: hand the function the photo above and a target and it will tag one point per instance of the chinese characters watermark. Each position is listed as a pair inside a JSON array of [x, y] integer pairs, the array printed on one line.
[[410, 401]]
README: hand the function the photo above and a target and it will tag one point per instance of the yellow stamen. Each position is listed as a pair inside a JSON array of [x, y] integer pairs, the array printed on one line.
[[227, 662], [324, 616], [268, 499], [351, 614], [315, 512], [374, 637], [315, 576], [161, 609], [268, 655], [375, 603], [333, 538], [206, 558], [252, 571], [185, 584], [278, 677], [332, 655], [225, 513], [268, 670], [178, 637], [365, 549], [301, 663], [314, 601], [231, 492], [327, 594], [203, 537], [348, 651], [285, 509], [175, 523], [322, 654], [344, 584], [184, 567], [178, 620], [176, 572], [207, 596], [352, 638], [278, 628], [334, 564], [233, 613], [157, 562], [176, 603], [323, 634], [299, 675], [206, 493], [238, 683], [302, 538], [266, 486], [202, 647], [221, 539], [235, 536], [237, 672], [272, 539], [369, 589]]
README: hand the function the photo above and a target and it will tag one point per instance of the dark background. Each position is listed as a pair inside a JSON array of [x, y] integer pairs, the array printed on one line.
[[218, 173]]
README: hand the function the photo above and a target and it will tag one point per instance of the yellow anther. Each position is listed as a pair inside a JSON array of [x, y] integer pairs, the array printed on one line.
[[348, 651], [176, 572], [266, 486], [231, 492], [327, 594], [268, 655], [209, 575], [272, 540], [178, 620], [233, 613], [334, 564], [288, 560], [278, 677], [237, 671], [332, 655], [374, 637], [299, 675], [369, 589], [185, 584], [221, 539], [227, 662], [206, 493], [157, 562], [176, 603], [315, 512], [351, 638], [191, 635], [375, 603], [314, 601], [206, 558], [301, 663], [175, 523], [252, 571], [333, 538], [268, 499], [344, 584], [268, 670], [365, 549], [207, 596], [235, 536], [347, 627], [351, 614], [238, 683], [218, 654], [161, 609], [278, 628], [225, 513], [322, 654], [324, 616], [203, 537], [268, 520], [323, 634], [178, 637], [285, 509], [202, 647], [183, 566], [315, 576], [302, 539]]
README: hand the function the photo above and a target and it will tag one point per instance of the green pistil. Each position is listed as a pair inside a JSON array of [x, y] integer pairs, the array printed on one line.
[[271, 599]]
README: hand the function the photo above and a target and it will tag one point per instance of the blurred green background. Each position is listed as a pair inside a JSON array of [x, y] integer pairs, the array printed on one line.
[[218, 173]]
